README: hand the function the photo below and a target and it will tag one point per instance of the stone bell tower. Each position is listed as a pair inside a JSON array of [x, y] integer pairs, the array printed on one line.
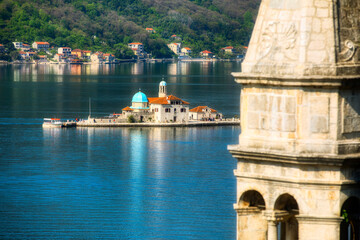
[[298, 170]]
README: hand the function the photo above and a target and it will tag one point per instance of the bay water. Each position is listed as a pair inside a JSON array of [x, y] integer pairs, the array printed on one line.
[[115, 183]]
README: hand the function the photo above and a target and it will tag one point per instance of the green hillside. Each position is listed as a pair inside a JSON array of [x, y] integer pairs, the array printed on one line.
[[108, 25]]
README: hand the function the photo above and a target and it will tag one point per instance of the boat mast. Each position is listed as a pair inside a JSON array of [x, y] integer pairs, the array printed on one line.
[[89, 107]]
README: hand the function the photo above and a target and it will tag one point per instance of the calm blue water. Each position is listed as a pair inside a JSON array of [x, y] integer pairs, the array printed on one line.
[[114, 183]]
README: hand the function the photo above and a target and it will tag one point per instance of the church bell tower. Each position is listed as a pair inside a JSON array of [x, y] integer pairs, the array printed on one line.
[[298, 157], [162, 89]]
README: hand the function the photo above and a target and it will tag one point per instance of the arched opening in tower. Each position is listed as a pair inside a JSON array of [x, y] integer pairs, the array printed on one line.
[[350, 226], [287, 227]]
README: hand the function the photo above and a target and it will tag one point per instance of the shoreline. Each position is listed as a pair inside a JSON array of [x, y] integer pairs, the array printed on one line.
[[189, 124]]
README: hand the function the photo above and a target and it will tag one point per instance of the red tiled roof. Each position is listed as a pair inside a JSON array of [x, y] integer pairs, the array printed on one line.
[[127, 109], [173, 35], [201, 108], [164, 100], [42, 43], [230, 47], [149, 29], [26, 45], [206, 51], [187, 48], [136, 43], [1, 45], [22, 52], [87, 51]]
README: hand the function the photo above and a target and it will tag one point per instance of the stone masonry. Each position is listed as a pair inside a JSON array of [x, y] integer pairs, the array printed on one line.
[[298, 171]]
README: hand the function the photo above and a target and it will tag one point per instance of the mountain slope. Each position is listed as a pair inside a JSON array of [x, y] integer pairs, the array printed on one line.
[[110, 25]]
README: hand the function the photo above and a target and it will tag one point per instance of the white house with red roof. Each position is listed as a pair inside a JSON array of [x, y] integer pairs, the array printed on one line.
[[175, 47], [186, 51], [138, 48], [228, 49], [162, 109], [41, 45], [203, 113], [150, 30], [64, 50], [206, 54]]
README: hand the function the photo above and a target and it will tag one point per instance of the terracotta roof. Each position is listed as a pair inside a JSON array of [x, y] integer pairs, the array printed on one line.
[[22, 52], [230, 47], [245, 47], [165, 100], [136, 43], [108, 54], [24, 44], [42, 43], [206, 51], [65, 47], [1, 45], [201, 108], [127, 109], [173, 35], [187, 48], [149, 29], [87, 51]]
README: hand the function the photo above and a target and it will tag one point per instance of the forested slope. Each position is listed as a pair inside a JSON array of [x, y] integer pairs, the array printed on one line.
[[108, 25]]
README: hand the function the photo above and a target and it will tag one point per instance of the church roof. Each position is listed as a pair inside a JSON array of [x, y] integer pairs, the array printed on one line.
[[201, 108], [127, 109], [139, 97], [166, 100]]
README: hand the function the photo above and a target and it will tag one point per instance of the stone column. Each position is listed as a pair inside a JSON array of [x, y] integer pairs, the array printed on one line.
[[272, 230], [310, 227], [251, 223]]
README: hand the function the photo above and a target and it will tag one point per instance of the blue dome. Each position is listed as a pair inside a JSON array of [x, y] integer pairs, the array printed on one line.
[[162, 83], [139, 97]]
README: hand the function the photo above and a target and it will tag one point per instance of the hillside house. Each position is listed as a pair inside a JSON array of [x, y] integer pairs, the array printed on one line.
[[138, 48], [23, 55], [25, 47], [2, 48], [64, 50], [228, 49], [186, 51], [175, 47], [18, 45], [150, 30], [41, 46]]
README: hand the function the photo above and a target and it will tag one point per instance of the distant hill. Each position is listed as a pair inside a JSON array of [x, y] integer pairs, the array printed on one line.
[[108, 25]]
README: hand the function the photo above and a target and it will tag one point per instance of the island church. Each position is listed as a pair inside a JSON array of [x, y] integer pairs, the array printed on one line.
[[161, 109]]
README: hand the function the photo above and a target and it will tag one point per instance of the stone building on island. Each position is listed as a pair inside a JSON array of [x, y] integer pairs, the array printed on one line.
[[298, 157], [161, 109]]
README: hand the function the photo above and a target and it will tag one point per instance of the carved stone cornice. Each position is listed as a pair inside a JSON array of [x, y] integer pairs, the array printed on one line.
[[332, 81]]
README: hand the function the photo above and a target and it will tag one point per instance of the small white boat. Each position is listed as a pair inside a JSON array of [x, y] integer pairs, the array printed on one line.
[[52, 123]]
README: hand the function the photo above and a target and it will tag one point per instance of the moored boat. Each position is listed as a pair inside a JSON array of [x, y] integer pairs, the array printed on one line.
[[52, 123]]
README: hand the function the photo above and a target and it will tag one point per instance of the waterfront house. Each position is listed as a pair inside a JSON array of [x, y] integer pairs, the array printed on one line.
[[206, 54], [59, 57], [109, 58], [31, 54], [175, 47], [186, 51], [41, 46], [64, 50], [204, 113], [228, 49], [87, 54], [138, 48], [97, 58], [78, 52]]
